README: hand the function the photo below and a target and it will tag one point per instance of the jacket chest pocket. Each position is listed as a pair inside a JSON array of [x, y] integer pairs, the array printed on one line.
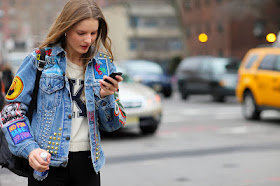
[[51, 91]]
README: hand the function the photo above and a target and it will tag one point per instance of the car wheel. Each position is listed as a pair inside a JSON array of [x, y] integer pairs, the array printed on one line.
[[167, 92], [148, 129], [249, 108], [184, 96]]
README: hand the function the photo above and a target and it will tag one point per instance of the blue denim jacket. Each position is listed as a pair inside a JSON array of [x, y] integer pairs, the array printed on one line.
[[51, 124]]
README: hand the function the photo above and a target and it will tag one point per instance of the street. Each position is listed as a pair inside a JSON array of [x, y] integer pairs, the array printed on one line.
[[199, 143]]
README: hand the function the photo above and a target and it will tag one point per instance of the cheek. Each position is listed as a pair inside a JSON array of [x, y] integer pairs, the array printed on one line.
[[93, 38]]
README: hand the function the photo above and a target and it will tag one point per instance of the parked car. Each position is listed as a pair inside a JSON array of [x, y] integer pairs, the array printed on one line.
[[148, 73], [142, 105], [216, 76], [258, 85]]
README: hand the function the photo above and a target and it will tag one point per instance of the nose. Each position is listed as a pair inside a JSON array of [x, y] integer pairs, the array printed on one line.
[[88, 39]]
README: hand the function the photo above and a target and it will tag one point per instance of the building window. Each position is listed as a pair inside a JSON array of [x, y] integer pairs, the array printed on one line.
[[208, 28], [150, 22], [220, 27], [197, 3], [187, 4], [133, 21], [12, 3], [221, 53], [188, 31], [132, 44]]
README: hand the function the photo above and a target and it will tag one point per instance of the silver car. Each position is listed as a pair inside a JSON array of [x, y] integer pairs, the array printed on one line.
[[142, 106]]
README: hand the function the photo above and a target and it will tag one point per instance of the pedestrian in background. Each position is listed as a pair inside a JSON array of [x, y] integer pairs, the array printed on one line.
[[2, 95], [74, 100], [7, 76]]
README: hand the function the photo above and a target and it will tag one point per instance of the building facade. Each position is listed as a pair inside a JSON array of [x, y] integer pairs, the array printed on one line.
[[144, 30], [24, 23], [232, 26]]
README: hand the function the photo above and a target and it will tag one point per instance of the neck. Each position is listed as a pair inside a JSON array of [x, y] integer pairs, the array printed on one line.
[[74, 57]]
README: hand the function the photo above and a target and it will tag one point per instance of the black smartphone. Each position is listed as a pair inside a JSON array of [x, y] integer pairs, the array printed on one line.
[[113, 75]]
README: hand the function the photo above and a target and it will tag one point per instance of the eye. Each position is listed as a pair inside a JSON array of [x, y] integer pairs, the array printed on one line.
[[80, 33], [93, 33]]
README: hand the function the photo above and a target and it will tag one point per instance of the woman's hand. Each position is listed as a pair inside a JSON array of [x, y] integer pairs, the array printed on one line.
[[36, 162], [108, 88]]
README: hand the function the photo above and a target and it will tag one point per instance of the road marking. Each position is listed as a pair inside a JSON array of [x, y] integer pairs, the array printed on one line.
[[235, 130]]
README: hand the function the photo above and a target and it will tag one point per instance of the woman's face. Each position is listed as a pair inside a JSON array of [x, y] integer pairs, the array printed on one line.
[[81, 36]]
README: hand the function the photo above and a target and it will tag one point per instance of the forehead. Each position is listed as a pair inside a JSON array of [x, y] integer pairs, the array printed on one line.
[[87, 25]]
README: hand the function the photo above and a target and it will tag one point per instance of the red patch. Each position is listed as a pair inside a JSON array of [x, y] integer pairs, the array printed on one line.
[[91, 116]]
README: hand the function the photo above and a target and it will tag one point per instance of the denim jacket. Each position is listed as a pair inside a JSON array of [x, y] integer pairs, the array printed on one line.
[[50, 127]]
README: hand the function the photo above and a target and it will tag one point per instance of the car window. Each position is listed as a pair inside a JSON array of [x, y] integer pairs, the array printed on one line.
[[219, 66], [277, 63], [143, 67], [190, 64], [250, 61], [268, 62], [205, 65]]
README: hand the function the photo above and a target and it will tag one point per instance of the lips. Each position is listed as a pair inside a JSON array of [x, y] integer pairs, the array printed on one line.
[[85, 47]]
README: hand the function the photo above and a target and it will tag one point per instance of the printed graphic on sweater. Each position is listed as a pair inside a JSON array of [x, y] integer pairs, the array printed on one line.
[[76, 88]]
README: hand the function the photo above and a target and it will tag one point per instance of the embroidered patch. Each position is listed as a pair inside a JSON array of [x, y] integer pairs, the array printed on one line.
[[15, 89], [119, 109], [19, 132], [54, 69], [91, 116], [12, 112], [100, 69]]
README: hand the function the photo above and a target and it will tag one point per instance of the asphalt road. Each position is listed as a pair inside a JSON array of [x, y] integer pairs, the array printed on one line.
[[199, 143]]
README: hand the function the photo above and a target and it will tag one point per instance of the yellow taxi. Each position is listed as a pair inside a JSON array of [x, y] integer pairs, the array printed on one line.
[[258, 86]]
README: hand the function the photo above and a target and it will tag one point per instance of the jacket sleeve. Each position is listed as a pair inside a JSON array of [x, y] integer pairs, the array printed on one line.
[[110, 112], [14, 123]]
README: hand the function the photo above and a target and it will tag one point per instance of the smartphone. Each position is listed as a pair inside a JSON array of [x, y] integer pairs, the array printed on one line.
[[113, 75]]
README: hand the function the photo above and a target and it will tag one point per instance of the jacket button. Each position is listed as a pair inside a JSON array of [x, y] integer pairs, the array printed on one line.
[[104, 103], [67, 138], [69, 116]]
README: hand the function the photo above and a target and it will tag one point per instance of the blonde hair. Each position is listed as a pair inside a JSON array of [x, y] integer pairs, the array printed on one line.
[[73, 12]]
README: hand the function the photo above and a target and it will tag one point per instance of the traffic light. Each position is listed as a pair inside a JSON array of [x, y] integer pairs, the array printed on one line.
[[203, 38], [271, 37]]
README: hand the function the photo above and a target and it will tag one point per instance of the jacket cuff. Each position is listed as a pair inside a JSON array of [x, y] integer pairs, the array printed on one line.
[[25, 150]]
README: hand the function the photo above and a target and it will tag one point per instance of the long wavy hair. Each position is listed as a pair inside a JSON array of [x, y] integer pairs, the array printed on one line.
[[73, 12]]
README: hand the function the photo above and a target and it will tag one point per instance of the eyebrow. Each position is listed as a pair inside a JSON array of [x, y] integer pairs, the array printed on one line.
[[85, 31]]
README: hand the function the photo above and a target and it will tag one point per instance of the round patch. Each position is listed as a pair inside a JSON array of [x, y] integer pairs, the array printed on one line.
[[15, 89]]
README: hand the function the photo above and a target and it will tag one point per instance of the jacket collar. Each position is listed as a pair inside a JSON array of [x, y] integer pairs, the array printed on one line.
[[57, 49]]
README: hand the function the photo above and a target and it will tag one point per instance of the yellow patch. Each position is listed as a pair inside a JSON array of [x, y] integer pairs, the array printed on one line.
[[15, 89]]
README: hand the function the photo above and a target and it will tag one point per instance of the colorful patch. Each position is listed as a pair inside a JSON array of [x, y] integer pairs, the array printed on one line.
[[19, 132], [100, 69], [119, 109], [15, 89], [12, 112], [54, 69], [91, 116]]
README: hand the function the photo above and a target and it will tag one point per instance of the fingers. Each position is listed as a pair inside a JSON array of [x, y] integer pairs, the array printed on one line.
[[36, 162], [111, 87], [108, 88]]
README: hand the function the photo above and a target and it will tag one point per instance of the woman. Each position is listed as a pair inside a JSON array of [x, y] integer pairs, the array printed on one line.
[[74, 100], [2, 94]]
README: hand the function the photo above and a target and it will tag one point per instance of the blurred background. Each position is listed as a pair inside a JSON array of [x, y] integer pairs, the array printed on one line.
[[195, 96]]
